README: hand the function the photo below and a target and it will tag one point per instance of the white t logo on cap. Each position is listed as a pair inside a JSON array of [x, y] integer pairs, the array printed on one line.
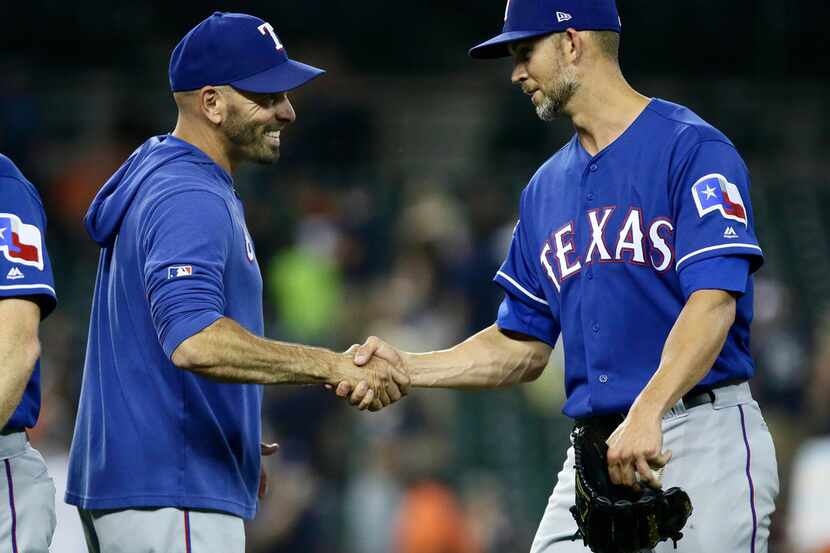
[[266, 27]]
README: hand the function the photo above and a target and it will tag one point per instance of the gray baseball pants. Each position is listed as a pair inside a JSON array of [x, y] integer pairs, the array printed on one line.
[[165, 530], [722, 455], [27, 497]]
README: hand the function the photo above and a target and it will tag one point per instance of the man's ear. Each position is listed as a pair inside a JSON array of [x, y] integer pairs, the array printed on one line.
[[213, 104], [573, 45]]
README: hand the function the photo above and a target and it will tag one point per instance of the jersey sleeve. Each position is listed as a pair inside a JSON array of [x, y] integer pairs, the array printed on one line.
[[730, 273], [713, 212], [25, 269], [515, 315], [187, 241], [525, 308]]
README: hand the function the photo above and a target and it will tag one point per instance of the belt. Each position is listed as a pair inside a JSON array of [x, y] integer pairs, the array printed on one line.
[[703, 396], [696, 397]]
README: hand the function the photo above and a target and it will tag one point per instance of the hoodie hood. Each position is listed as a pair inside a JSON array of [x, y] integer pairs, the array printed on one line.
[[104, 216]]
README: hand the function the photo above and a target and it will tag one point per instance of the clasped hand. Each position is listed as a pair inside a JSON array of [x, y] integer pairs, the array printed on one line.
[[635, 451], [371, 376]]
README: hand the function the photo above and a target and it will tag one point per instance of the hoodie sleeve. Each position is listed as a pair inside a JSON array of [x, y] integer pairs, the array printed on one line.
[[187, 240]]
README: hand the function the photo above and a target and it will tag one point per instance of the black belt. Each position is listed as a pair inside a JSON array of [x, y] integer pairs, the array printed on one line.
[[696, 397], [705, 395]]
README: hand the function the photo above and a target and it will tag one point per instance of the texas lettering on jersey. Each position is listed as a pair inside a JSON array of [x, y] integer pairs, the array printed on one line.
[[633, 242]]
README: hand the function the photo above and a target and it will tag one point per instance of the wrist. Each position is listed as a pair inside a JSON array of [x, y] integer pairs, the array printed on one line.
[[647, 408]]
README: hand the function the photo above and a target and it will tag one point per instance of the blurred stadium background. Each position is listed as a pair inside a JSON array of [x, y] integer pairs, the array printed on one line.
[[389, 213]]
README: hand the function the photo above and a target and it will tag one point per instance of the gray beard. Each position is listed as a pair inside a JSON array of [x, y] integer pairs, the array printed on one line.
[[552, 105]]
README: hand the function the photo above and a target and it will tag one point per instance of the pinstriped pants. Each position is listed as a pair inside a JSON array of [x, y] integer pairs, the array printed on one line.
[[27, 497], [722, 455]]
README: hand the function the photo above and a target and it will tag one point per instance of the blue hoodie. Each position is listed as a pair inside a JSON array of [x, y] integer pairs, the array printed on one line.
[[176, 256]]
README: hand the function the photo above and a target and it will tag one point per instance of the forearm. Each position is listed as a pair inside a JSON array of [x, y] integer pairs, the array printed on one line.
[[695, 341], [19, 351], [226, 351], [488, 359]]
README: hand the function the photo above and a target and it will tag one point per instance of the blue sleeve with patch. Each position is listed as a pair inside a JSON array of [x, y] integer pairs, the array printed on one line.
[[25, 269], [713, 212], [525, 308], [188, 238]]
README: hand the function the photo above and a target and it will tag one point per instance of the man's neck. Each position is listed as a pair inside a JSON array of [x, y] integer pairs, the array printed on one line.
[[603, 109], [206, 141]]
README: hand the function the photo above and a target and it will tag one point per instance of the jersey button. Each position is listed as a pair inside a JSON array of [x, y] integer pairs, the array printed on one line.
[[590, 196], [593, 167], [590, 274], [595, 327], [603, 378]]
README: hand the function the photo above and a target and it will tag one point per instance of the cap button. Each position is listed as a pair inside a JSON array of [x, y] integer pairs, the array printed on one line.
[[218, 14]]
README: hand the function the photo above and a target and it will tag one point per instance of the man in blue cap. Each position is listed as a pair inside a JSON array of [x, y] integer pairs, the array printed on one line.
[[166, 451], [636, 244]]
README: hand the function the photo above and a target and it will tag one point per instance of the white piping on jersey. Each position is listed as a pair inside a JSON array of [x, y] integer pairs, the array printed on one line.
[[710, 248], [27, 287], [510, 279]]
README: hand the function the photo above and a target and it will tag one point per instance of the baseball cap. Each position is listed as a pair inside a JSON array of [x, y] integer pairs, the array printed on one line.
[[529, 18], [236, 49]]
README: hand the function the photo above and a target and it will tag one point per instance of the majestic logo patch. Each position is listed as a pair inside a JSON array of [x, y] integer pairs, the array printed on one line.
[[178, 271], [730, 233], [15, 274], [19, 242], [715, 193], [563, 16]]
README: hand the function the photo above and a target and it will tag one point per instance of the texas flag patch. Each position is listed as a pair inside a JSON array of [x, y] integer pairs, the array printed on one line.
[[19, 242], [178, 271], [715, 193]]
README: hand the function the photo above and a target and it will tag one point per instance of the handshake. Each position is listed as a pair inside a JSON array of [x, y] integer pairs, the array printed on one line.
[[371, 376]]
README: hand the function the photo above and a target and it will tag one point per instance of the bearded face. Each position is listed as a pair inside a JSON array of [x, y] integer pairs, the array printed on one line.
[[253, 140], [557, 89]]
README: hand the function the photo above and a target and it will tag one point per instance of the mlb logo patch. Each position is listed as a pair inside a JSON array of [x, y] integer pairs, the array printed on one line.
[[19, 242], [178, 271], [715, 193]]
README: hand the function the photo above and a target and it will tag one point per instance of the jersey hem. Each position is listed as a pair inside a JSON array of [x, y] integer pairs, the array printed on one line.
[[526, 331], [161, 501]]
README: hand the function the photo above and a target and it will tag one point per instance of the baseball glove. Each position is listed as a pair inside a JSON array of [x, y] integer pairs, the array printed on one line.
[[620, 519]]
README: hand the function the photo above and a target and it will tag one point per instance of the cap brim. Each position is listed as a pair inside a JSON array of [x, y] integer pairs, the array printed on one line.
[[281, 78], [496, 47]]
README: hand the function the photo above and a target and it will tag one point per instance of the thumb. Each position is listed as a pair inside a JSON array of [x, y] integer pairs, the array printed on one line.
[[661, 460], [364, 353]]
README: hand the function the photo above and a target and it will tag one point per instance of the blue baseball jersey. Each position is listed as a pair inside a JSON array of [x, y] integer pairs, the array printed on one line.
[[176, 256], [609, 248], [25, 270]]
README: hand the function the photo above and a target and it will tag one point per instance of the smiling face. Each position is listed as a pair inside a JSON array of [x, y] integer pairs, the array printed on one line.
[[253, 122], [540, 67]]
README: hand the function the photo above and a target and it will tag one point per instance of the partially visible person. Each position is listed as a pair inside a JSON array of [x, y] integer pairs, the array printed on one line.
[[27, 296], [166, 450]]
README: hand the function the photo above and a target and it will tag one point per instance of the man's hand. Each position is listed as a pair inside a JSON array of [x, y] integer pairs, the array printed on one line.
[[635, 450], [374, 350], [265, 450], [374, 377]]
